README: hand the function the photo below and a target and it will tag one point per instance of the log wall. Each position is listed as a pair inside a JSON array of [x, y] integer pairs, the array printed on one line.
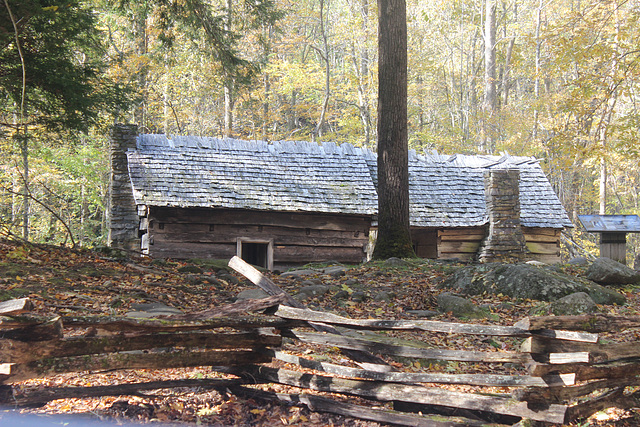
[[295, 238], [463, 243]]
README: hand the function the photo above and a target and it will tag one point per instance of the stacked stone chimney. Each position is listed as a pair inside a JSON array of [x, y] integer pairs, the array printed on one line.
[[122, 210], [505, 241]]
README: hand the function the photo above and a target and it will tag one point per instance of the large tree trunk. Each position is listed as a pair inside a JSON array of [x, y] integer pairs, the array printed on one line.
[[393, 157]]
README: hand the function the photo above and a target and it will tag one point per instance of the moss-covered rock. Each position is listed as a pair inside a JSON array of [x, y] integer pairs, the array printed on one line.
[[526, 282]]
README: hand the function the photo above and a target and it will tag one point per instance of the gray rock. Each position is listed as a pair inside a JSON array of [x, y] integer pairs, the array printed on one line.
[[335, 271], [384, 296], [526, 282], [299, 274], [311, 291], [341, 295], [228, 278], [606, 271], [358, 296], [422, 313], [311, 282], [573, 305], [253, 293], [351, 282], [459, 307], [579, 260]]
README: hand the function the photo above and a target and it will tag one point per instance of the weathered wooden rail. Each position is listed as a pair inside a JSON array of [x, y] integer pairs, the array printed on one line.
[[561, 372]]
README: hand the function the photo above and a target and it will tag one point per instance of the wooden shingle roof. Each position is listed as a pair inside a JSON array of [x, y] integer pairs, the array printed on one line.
[[448, 190], [224, 173], [445, 191]]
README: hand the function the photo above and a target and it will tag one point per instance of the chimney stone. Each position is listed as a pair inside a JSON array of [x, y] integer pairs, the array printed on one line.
[[122, 211], [505, 241]]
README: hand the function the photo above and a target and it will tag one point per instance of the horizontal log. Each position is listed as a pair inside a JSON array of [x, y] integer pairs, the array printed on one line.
[[565, 394], [588, 372], [256, 230], [543, 248], [489, 380], [20, 352], [481, 232], [459, 247], [585, 322], [541, 238], [241, 306], [598, 353], [323, 404], [129, 325], [107, 362], [406, 351], [565, 335], [555, 232], [241, 217], [42, 397], [15, 306], [306, 254], [300, 240], [406, 393], [376, 324], [44, 330], [192, 250]]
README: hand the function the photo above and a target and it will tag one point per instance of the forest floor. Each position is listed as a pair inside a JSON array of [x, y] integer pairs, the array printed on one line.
[[62, 281]]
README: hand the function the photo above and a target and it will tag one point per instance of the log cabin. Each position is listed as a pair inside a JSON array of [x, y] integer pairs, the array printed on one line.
[[286, 203], [275, 205], [482, 208]]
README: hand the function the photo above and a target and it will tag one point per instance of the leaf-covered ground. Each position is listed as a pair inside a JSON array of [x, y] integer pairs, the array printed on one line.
[[61, 281]]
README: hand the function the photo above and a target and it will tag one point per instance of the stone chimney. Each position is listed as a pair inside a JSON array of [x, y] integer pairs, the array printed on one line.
[[505, 241], [122, 210]]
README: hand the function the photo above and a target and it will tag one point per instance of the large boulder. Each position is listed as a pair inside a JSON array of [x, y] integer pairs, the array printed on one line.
[[526, 282], [606, 271]]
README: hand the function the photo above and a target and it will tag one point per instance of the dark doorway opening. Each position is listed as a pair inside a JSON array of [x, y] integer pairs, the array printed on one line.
[[256, 253]]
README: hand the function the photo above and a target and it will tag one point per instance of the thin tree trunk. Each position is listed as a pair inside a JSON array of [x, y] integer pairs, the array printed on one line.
[[536, 90], [140, 34], [228, 82], [327, 75], [489, 104]]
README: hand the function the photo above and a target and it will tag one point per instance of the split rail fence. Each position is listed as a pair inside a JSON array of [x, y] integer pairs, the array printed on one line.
[[562, 372]]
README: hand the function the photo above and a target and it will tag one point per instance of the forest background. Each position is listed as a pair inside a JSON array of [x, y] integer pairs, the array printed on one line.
[[557, 80]]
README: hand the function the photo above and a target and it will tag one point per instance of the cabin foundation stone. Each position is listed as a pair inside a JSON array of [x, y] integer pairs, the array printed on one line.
[[123, 216]]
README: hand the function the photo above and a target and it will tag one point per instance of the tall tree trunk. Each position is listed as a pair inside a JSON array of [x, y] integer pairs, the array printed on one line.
[[361, 67], [327, 75], [140, 36], [394, 237], [228, 82], [26, 208], [536, 88], [21, 128], [489, 104]]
